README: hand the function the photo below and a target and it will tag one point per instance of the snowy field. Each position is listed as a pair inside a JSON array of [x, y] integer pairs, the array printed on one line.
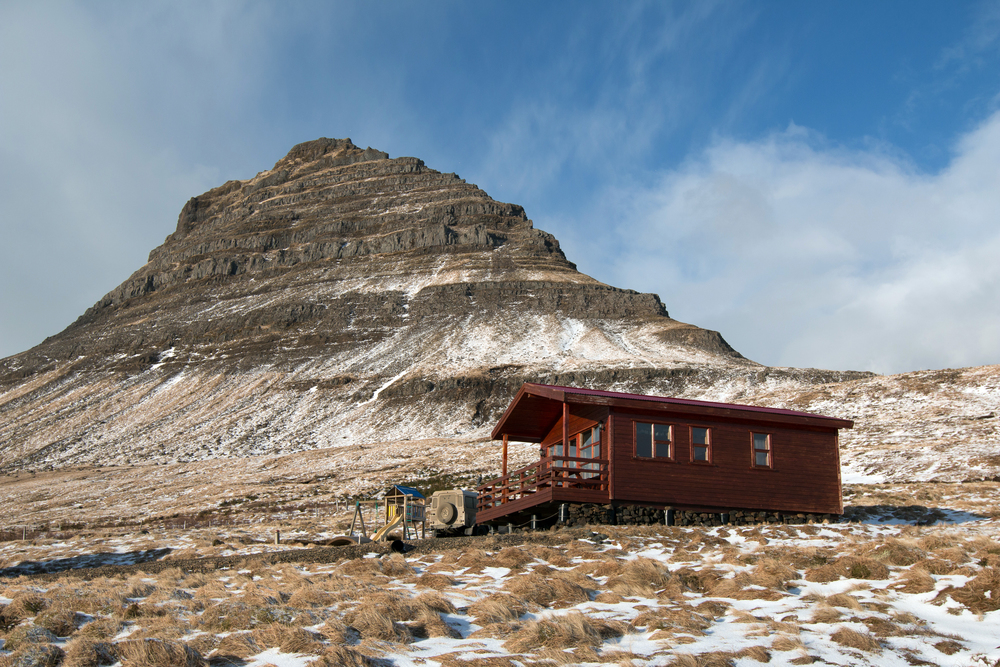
[[879, 592]]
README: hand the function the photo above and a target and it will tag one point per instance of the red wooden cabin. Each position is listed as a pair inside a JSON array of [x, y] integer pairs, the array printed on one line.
[[626, 449]]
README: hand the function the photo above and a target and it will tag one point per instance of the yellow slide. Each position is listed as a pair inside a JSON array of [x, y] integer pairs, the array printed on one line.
[[396, 520]]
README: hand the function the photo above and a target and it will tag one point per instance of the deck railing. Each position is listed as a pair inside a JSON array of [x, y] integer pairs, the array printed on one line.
[[566, 472]]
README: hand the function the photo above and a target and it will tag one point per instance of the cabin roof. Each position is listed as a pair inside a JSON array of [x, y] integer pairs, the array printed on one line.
[[537, 407]]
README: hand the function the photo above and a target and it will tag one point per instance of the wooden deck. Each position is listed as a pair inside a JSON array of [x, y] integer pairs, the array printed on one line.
[[551, 480]]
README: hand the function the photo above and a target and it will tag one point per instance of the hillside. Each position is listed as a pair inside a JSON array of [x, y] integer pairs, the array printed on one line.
[[344, 299]]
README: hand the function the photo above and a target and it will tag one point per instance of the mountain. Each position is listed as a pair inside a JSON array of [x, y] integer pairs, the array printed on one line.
[[344, 298]]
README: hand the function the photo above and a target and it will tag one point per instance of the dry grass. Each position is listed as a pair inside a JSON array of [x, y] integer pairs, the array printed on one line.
[[849, 567], [358, 612], [553, 557], [429, 623], [497, 608], [341, 656], [566, 631], [84, 652], [894, 551], [914, 580], [772, 573], [547, 589], [458, 660], [245, 614], [435, 602], [882, 627], [361, 568], [981, 594], [237, 645], [824, 614], [309, 595], [35, 655], [100, 629], [713, 659], [640, 577], [854, 639], [58, 620], [372, 622], [395, 565], [439, 582], [758, 653], [23, 635], [513, 558], [680, 618], [288, 639], [843, 600], [157, 653], [949, 646], [786, 643], [25, 605]]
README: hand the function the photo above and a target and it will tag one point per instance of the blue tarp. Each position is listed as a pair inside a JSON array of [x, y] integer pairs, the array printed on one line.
[[408, 490]]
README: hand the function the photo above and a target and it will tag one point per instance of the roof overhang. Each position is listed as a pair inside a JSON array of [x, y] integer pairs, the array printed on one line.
[[537, 408]]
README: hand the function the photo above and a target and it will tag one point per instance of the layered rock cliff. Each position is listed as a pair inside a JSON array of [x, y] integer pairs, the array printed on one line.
[[343, 297]]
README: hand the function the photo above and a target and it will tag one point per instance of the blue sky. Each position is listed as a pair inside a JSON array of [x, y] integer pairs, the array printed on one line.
[[816, 180]]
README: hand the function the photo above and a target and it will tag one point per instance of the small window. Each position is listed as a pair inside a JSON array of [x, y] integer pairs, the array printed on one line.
[[653, 440], [761, 450], [701, 444]]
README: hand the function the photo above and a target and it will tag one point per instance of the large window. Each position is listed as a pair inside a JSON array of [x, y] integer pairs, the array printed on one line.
[[761, 450], [585, 445], [590, 448], [701, 444], [590, 443], [654, 441]]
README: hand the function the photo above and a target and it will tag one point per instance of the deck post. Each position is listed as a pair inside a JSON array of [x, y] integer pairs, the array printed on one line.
[[504, 473], [503, 476], [565, 428]]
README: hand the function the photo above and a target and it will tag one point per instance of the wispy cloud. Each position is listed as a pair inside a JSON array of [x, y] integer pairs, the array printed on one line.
[[803, 253], [107, 113]]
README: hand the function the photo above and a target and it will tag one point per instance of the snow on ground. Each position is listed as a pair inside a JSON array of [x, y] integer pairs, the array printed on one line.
[[847, 594]]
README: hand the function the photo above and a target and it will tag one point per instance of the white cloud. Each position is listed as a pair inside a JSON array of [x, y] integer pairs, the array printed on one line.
[[104, 112], [806, 254]]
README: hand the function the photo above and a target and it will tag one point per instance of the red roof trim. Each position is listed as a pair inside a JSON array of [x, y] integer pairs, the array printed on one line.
[[683, 401], [560, 394]]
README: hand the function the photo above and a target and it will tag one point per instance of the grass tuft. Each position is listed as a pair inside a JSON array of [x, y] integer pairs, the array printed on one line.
[[157, 653], [85, 652], [498, 608], [566, 631], [854, 639], [553, 590]]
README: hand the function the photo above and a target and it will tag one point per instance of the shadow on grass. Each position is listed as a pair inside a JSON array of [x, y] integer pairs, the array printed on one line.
[[82, 561], [916, 515]]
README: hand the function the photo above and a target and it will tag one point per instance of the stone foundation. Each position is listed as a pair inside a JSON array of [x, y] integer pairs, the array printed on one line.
[[581, 514]]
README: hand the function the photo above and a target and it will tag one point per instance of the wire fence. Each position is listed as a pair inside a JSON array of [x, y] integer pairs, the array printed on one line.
[[249, 515]]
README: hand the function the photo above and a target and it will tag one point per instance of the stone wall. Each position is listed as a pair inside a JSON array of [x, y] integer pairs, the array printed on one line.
[[581, 514]]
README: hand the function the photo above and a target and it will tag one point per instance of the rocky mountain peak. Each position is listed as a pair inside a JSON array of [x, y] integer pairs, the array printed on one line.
[[342, 297]]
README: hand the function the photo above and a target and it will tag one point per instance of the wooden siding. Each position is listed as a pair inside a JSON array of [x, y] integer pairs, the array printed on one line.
[[804, 477], [581, 417]]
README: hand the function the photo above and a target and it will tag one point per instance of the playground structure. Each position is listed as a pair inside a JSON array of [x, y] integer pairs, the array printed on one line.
[[399, 507]]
